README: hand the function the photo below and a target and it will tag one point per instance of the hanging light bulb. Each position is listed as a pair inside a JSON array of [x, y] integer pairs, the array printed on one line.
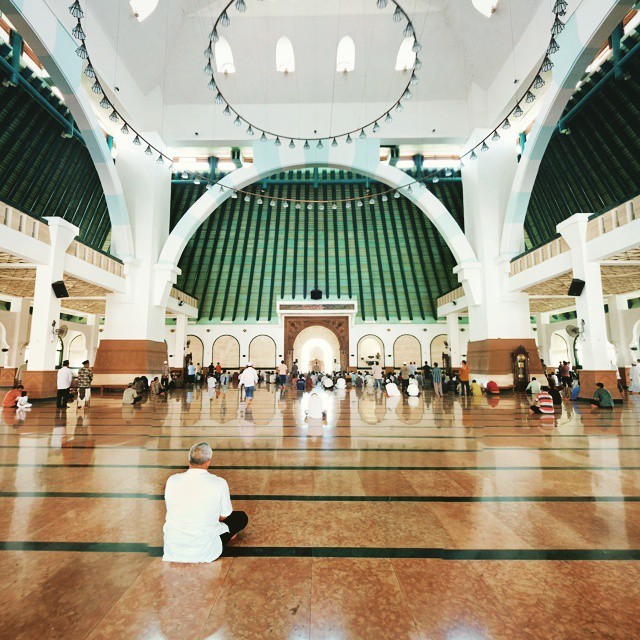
[[250, 130], [292, 145], [321, 207], [396, 194], [435, 180], [538, 83], [409, 189], [226, 111], [517, 112], [334, 143], [495, 137], [241, 6], [362, 135], [484, 147], [272, 203], [408, 31], [225, 21], [348, 140], [306, 145], [399, 107], [147, 151], [76, 10], [388, 118], [285, 204], [96, 87], [417, 47], [82, 52], [263, 137], [376, 127], [298, 205], [185, 175], [506, 125], [414, 80], [208, 52], [319, 145], [89, 71], [259, 201], [529, 97], [218, 99], [547, 65], [558, 26], [397, 14], [212, 84], [381, 4], [213, 36], [473, 155], [553, 47], [113, 116], [277, 141], [104, 103], [334, 206], [196, 181], [560, 7], [309, 207], [372, 201], [78, 32], [384, 198], [137, 140], [359, 203], [234, 195], [160, 159], [125, 129], [247, 199], [208, 70], [347, 205], [237, 122]]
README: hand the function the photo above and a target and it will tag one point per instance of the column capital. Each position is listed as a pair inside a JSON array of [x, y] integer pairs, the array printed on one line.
[[574, 229]]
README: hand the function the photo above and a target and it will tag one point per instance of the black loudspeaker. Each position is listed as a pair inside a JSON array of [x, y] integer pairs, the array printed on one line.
[[59, 289], [316, 294], [576, 287]]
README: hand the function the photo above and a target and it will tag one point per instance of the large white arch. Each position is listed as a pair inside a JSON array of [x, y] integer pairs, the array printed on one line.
[[362, 156], [585, 31], [55, 49]]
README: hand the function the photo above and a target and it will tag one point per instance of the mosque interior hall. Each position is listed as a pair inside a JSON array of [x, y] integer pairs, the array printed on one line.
[[320, 320]]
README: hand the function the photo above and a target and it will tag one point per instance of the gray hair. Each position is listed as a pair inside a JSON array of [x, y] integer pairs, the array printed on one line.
[[200, 453]]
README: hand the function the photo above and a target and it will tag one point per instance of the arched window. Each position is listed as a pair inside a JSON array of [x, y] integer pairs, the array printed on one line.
[[406, 349], [406, 56], [370, 351], [196, 349], [439, 346], [262, 352], [224, 57], [226, 351], [346, 55], [285, 58]]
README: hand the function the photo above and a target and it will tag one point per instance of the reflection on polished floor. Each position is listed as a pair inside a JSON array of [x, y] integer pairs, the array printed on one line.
[[397, 518]]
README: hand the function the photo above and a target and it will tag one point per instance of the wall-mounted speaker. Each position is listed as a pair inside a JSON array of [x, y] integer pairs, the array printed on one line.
[[59, 289], [316, 294], [576, 287]]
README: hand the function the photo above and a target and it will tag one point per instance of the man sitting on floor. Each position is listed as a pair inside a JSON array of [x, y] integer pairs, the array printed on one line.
[[200, 519], [602, 398]]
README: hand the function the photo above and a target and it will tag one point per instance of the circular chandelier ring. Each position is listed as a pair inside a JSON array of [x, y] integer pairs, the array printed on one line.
[[224, 21]]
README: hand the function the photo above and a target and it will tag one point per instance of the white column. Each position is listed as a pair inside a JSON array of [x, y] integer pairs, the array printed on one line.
[[46, 307], [19, 336], [92, 336], [617, 308], [542, 322], [590, 304], [177, 355], [497, 313], [147, 186], [453, 338]]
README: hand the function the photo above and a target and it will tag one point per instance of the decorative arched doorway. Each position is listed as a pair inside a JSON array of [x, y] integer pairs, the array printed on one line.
[[406, 349], [370, 350], [337, 325]]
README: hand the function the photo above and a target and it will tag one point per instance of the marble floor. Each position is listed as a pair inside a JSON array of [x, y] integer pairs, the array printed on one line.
[[449, 519]]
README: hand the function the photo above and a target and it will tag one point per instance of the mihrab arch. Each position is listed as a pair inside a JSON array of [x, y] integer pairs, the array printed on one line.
[[338, 325]]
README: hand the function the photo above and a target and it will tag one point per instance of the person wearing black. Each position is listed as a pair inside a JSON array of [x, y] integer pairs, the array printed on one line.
[[427, 374], [557, 399]]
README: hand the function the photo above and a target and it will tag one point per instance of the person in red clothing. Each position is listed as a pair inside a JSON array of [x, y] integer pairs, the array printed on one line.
[[464, 373], [492, 387], [544, 403], [11, 399]]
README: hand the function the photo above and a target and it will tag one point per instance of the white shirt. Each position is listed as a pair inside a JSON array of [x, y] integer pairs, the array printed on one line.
[[376, 371], [392, 390], [534, 386], [65, 378], [282, 369], [327, 382], [248, 377], [211, 382], [195, 501], [341, 383], [413, 389]]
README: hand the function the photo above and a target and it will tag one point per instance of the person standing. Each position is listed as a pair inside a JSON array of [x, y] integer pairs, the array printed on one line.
[[85, 376], [463, 375], [191, 373], [634, 378], [426, 374], [436, 376], [376, 372], [404, 374], [165, 375], [65, 378], [249, 379], [282, 373], [294, 370]]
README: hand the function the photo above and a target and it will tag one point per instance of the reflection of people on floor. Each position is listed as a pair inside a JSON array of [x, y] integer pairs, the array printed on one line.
[[601, 397], [314, 409], [200, 520]]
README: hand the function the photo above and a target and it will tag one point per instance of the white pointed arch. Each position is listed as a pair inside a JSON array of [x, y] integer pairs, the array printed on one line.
[[346, 55], [585, 31], [285, 57], [362, 157], [224, 56], [55, 49]]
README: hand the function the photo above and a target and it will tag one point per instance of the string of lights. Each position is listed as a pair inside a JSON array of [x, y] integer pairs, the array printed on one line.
[[75, 9], [559, 10], [224, 20]]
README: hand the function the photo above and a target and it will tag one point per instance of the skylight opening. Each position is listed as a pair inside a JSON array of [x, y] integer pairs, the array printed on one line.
[[486, 7], [224, 57], [346, 55], [285, 58], [406, 56], [142, 9]]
